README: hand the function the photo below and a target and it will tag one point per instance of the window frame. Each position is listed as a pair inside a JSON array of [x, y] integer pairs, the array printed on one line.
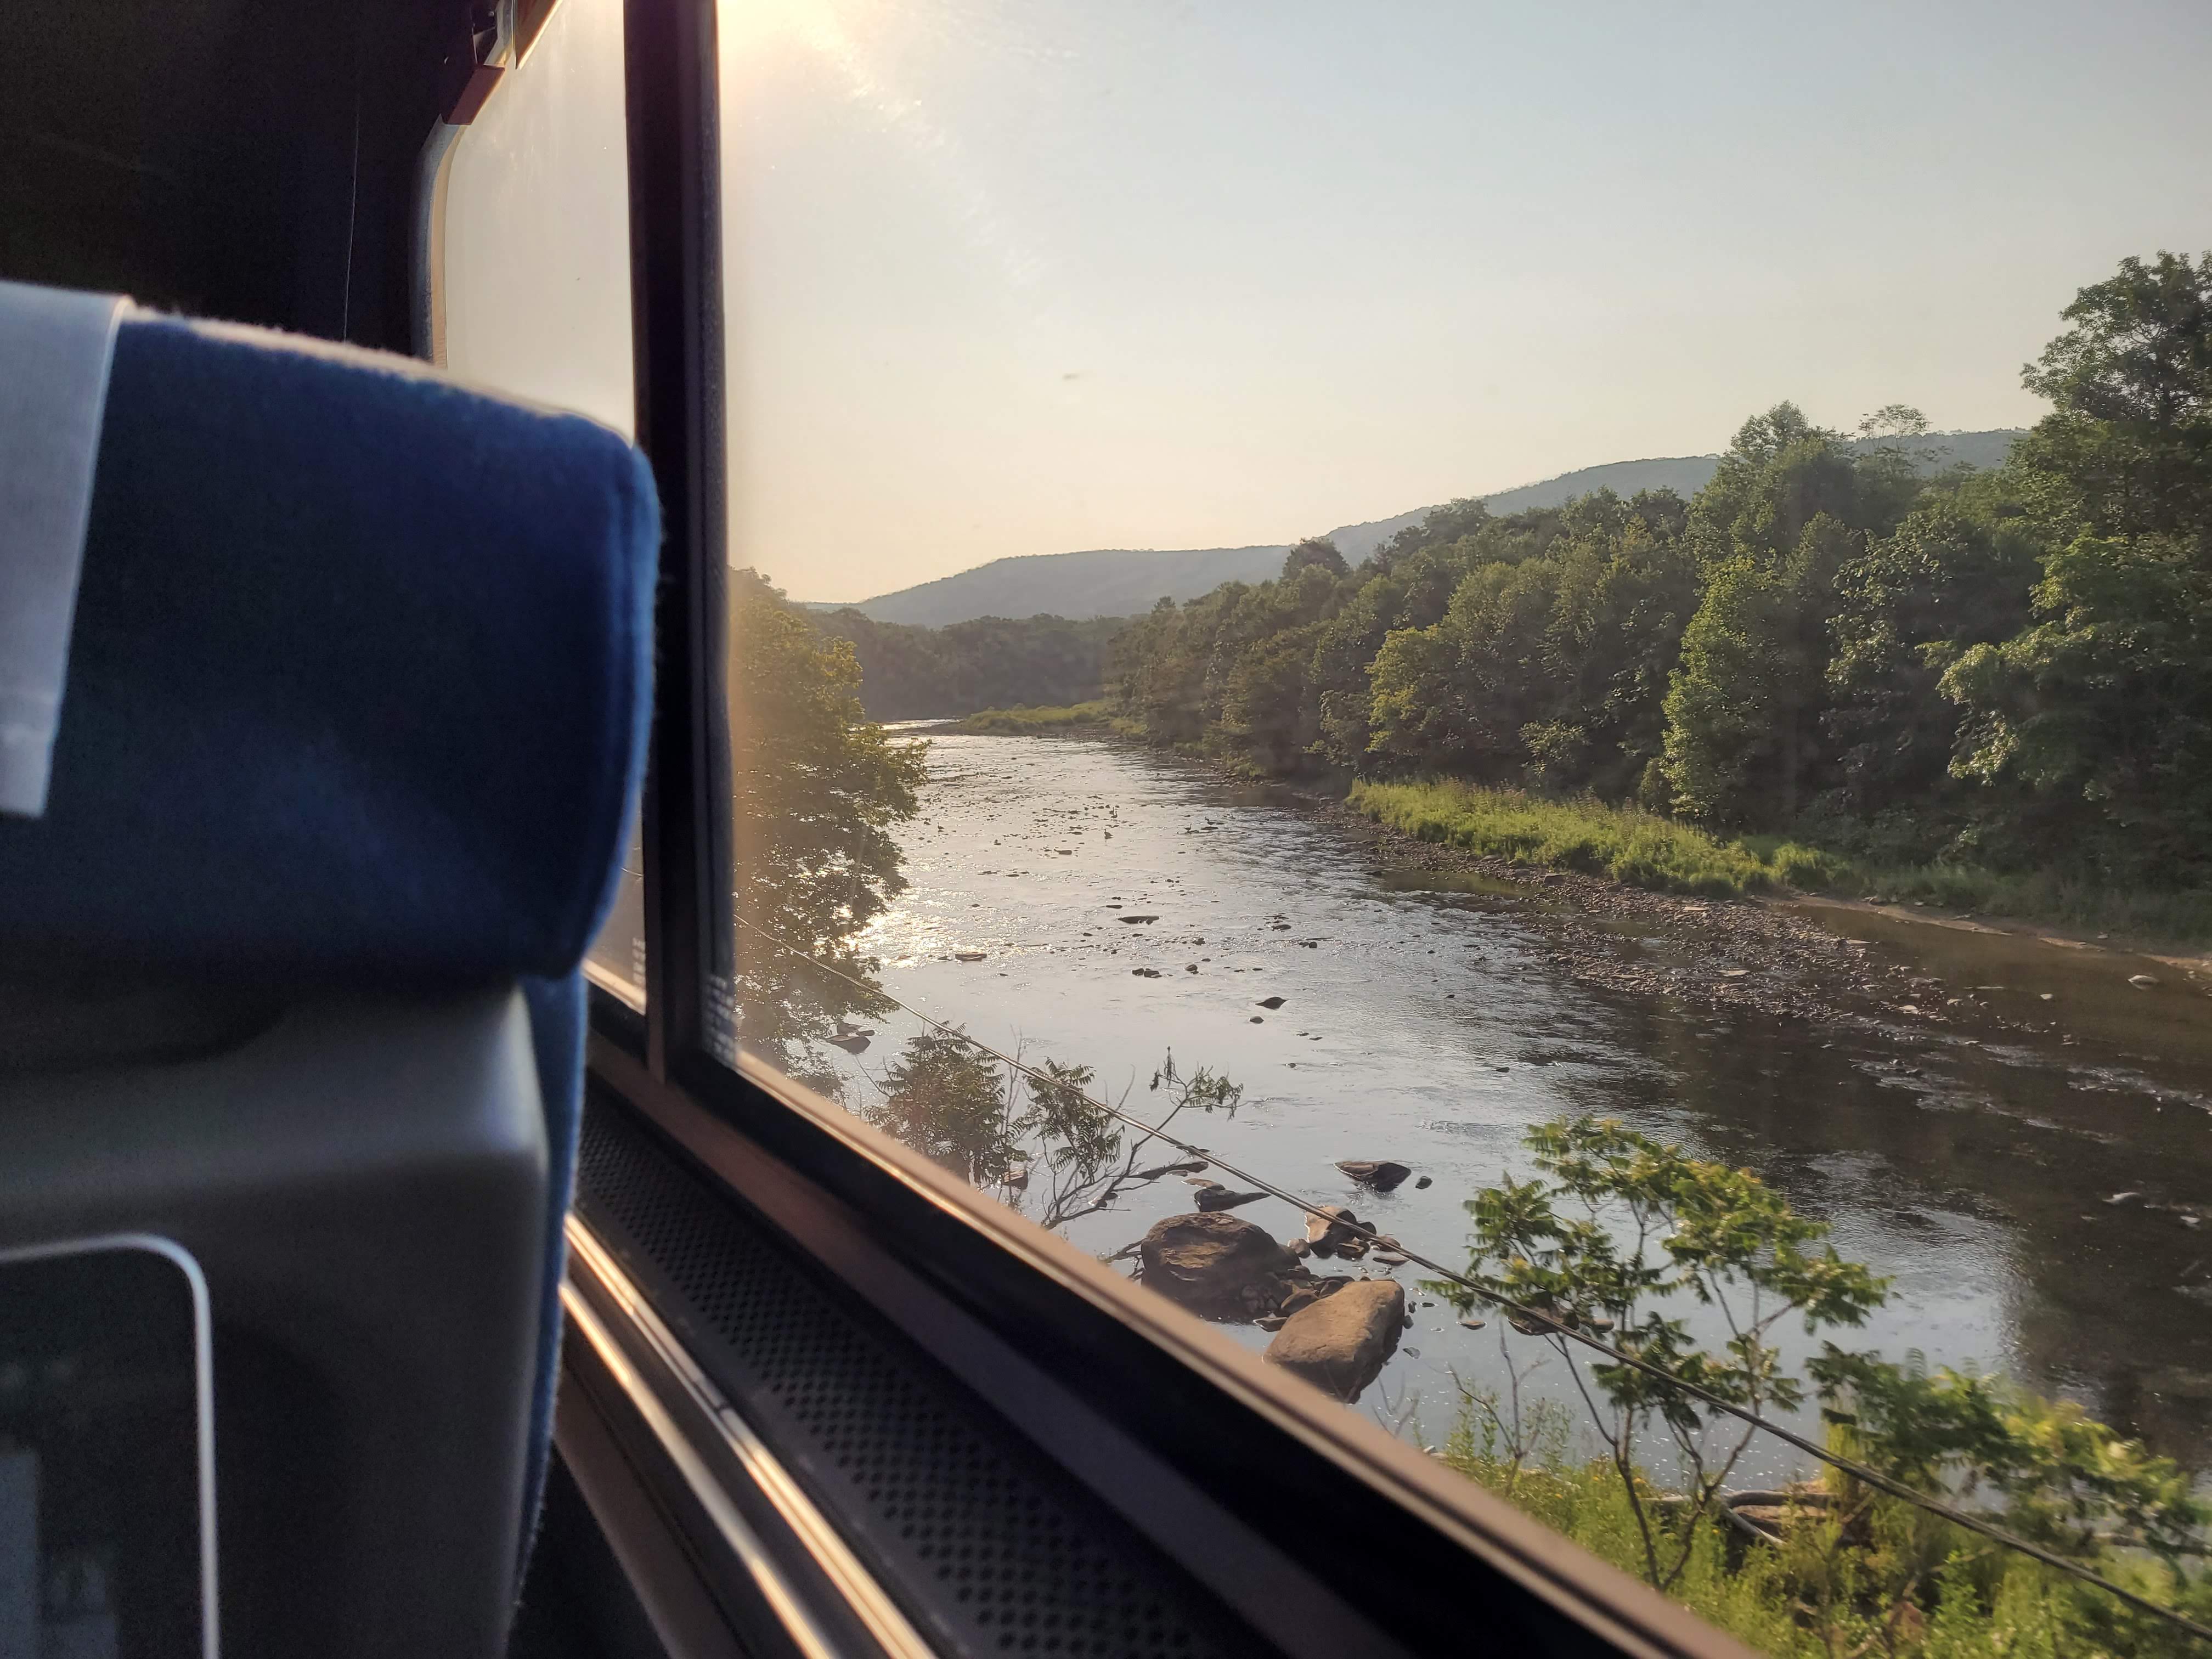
[[1215, 1456]]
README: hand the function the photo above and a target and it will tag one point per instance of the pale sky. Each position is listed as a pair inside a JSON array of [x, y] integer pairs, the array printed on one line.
[[1014, 278], [1009, 278]]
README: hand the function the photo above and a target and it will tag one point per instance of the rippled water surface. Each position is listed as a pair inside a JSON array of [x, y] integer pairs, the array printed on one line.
[[1424, 1020]]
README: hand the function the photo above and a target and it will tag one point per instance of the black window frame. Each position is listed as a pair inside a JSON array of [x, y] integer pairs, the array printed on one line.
[[1427, 1555]]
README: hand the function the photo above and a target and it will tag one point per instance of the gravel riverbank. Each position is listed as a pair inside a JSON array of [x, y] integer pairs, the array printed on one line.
[[1750, 955]]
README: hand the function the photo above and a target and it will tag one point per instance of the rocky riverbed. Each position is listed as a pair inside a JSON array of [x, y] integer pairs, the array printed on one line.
[[1794, 959], [2017, 1134]]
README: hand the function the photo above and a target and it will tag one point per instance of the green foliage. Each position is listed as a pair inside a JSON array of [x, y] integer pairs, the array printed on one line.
[[1644, 848], [1625, 1231], [1731, 740], [1893, 1581], [1951, 578], [2104, 703], [816, 788], [1999, 681], [1545, 662], [918, 673], [1625, 843], [1791, 512], [1035, 1134], [1316, 552], [2100, 709], [953, 1103], [2127, 449], [1098, 711], [2063, 1479], [1619, 1233]]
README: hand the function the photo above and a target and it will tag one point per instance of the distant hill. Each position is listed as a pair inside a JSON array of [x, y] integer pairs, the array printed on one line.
[[1123, 581], [1108, 582], [1685, 475]]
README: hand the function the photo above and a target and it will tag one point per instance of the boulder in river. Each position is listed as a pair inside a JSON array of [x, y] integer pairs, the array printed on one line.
[[1136, 919], [1207, 1262], [1381, 1174], [1269, 1002], [1340, 1343], [1331, 1232], [1213, 1197], [1304, 1292]]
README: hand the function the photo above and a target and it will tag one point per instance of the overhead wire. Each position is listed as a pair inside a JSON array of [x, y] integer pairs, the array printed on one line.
[[1530, 1315]]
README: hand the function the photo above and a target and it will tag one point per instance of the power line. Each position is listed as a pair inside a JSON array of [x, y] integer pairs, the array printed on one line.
[[1858, 1471]]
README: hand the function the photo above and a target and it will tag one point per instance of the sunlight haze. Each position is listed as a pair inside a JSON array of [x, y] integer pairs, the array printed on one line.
[[1010, 279]]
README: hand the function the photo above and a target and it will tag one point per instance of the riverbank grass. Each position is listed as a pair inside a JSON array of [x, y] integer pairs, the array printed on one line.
[[1097, 712], [2178, 917], [1620, 842], [1899, 1584], [1644, 849]]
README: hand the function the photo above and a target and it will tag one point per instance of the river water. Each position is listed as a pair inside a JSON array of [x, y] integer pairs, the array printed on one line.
[[1424, 1020]]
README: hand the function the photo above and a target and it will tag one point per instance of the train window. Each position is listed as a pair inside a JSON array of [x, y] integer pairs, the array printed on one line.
[[1584, 971], [535, 249]]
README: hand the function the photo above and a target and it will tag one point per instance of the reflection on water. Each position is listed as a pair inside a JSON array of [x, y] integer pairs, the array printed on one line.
[[1079, 900]]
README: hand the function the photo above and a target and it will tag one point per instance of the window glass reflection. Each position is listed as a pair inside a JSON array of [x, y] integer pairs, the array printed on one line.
[[536, 284]]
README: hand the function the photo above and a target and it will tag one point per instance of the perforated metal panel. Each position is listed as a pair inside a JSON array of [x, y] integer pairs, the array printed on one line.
[[991, 1548]]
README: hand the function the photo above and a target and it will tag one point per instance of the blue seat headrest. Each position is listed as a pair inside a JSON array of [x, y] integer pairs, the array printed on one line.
[[359, 679]]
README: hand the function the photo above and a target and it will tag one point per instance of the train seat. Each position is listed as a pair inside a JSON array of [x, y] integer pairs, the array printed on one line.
[[350, 730]]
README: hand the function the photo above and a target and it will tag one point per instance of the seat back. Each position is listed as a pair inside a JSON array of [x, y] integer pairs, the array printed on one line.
[[352, 722]]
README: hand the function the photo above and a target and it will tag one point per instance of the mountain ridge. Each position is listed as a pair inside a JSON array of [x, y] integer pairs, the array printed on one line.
[[1124, 581]]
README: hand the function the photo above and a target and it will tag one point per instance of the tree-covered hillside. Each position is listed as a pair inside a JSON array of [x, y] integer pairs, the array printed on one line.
[[1120, 582], [1852, 637]]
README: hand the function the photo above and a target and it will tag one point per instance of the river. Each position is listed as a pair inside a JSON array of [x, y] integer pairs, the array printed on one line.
[[1424, 1020]]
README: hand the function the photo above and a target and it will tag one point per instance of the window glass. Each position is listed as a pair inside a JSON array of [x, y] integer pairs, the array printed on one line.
[[536, 286], [1467, 610]]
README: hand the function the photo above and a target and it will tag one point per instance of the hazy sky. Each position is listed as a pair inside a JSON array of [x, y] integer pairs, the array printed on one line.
[[1014, 276], [1015, 279]]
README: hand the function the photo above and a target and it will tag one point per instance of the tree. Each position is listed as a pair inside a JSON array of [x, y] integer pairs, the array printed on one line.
[[2127, 448], [997, 1124], [1780, 472], [1315, 553], [952, 1103], [2104, 702], [1906, 609], [1743, 711], [1410, 589], [912, 673], [1265, 707], [1415, 712], [2102, 705], [1617, 1232], [817, 787], [1616, 1236]]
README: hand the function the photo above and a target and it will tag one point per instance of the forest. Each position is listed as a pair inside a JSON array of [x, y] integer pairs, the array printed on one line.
[[1840, 638], [909, 672]]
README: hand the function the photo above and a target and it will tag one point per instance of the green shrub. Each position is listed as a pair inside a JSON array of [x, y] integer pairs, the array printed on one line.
[[1619, 1233], [1645, 849], [1623, 842]]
